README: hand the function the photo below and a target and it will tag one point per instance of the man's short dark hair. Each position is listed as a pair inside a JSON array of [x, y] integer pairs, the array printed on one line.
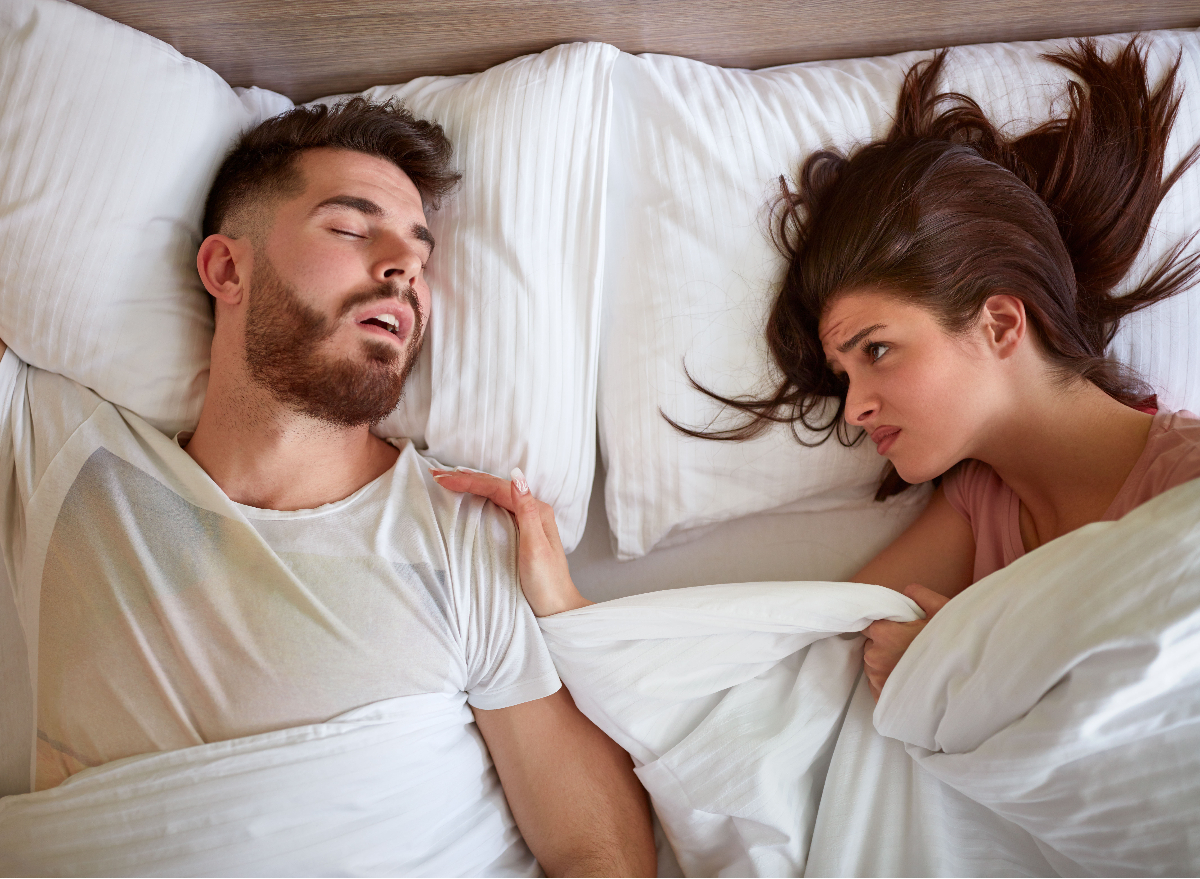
[[262, 164]]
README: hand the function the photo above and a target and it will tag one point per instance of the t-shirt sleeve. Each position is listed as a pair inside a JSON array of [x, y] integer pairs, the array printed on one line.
[[39, 411], [963, 487], [12, 374], [1177, 453], [12, 519], [507, 660]]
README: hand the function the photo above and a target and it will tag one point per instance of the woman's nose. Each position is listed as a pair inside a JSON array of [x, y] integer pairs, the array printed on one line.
[[860, 405]]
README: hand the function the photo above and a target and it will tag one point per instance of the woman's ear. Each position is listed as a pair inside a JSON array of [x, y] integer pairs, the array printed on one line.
[[1004, 323], [224, 264]]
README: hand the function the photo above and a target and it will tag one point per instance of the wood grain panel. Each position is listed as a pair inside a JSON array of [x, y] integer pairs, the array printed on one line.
[[310, 48]]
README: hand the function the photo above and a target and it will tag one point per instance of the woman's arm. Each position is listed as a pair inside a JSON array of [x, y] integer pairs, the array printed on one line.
[[931, 562], [937, 551]]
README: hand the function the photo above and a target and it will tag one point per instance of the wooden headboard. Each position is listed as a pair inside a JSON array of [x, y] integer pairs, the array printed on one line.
[[310, 48]]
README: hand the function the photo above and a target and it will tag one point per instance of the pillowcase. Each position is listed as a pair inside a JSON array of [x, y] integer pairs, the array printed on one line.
[[691, 272], [109, 140], [508, 373]]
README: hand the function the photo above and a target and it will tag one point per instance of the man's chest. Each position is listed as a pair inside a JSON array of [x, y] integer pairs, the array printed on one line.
[[164, 625]]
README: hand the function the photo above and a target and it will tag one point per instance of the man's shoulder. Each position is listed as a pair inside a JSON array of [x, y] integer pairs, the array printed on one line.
[[460, 517]]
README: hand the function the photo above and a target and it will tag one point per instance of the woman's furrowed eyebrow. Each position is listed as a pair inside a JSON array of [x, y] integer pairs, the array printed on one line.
[[858, 337]]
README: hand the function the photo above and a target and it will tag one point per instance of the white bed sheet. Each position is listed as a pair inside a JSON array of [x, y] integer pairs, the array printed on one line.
[[778, 545]]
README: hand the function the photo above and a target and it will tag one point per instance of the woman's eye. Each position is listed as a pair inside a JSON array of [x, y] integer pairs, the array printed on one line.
[[875, 350]]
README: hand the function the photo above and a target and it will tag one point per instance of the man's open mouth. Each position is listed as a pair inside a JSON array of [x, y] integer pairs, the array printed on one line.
[[384, 321]]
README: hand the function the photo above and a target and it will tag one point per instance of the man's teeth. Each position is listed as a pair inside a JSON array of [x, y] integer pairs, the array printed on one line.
[[388, 322]]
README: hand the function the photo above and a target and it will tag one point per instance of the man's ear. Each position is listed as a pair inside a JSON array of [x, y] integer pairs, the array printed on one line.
[[1004, 323], [224, 265]]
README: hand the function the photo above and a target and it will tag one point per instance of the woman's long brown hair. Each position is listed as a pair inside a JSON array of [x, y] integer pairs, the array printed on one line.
[[945, 211]]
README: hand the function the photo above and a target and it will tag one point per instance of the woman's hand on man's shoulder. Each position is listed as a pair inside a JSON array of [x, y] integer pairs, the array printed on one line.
[[541, 561]]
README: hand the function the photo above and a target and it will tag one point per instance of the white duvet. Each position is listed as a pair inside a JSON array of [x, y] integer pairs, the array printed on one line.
[[1046, 721], [403, 787]]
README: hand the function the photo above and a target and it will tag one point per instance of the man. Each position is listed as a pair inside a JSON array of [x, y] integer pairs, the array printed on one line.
[[281, 565]]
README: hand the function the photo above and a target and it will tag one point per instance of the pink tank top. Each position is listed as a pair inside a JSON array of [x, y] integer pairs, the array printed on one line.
[[1171, 457]]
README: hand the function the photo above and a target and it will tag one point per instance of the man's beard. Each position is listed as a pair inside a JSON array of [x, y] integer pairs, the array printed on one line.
[[283, 340]]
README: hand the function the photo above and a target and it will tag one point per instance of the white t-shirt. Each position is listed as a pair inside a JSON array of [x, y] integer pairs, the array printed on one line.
[[159, 614]]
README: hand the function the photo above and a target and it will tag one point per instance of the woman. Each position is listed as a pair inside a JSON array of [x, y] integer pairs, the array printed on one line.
[[952, 289]]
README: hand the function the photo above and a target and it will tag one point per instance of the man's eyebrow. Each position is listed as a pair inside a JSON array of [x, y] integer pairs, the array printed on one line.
[[362, 205], [422, 233], [858, 337], [370, 209]]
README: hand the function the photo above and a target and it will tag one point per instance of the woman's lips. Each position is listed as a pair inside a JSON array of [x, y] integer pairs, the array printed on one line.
[[883, 437]]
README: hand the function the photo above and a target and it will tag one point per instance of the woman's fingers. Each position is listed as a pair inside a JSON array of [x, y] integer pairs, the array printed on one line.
[[550, 526], [485, 485], [545, 574], [928, 600], [528, 511], [886, 642], [541, 562], [507, 494], [874, 685], [535, 520]]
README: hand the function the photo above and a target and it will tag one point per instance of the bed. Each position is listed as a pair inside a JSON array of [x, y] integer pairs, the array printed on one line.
[[635, 139]]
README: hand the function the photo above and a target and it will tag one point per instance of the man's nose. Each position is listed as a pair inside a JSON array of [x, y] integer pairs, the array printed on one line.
[[399, 263]]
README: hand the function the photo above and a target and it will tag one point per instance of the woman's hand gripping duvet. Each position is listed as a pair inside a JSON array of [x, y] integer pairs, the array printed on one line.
[[541, 562], [887, 641]]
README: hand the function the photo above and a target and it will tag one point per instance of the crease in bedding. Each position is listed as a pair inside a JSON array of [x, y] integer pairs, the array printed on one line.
[[1046, 721], [401, 787]]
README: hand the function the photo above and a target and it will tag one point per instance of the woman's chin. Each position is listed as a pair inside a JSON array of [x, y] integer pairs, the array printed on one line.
[[915, 474]]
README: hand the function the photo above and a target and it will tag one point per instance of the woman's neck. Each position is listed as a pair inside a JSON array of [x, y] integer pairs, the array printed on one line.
[[1066, 452]]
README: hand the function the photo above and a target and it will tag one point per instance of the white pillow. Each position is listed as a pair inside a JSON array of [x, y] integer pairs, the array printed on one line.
[[509, 371], [691, 273], [109, 140]]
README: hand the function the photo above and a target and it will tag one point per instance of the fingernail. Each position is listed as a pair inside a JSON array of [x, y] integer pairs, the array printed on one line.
[[439, 473], [518, 479]]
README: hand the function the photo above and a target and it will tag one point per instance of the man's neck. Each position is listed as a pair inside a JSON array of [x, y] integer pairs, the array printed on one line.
[[264, 455]]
